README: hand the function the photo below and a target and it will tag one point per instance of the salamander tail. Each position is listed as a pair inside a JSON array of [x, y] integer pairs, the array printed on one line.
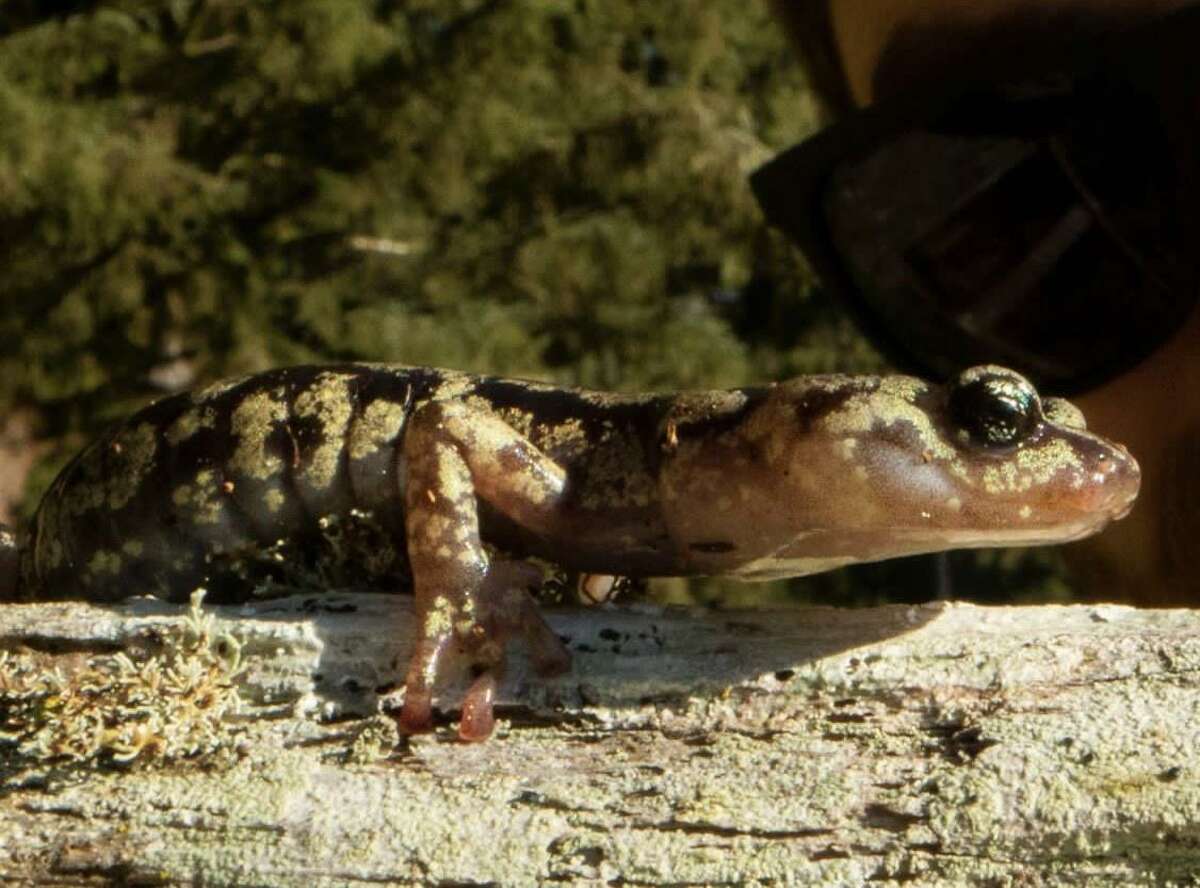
[[9, 564]]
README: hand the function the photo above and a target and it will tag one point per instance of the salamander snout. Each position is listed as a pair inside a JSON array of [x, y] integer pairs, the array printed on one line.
[[1115, 481]]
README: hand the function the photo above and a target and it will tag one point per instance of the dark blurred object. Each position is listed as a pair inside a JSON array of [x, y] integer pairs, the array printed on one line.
[[1045, 221]]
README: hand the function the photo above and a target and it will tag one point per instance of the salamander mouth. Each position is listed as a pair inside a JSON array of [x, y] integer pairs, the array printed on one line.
[[1125, 510], [982, 538], [1116, 480]]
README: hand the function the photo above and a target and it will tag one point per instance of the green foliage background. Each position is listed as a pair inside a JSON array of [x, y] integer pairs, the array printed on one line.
[[195, 188]]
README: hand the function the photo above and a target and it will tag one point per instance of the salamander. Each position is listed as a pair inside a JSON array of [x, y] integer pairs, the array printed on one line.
[[457, 486]]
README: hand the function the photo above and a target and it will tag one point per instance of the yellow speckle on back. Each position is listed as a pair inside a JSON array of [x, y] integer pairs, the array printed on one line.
[[109, 474], [219, 388], [906, 388], [104, 562], [327, 401], [201, 499], [453, 385], [567, 438], [614, 399], [252, 422], [520, 420], [273, 500], [828, 383], [378, 425], [687, 408], [132, 457], [189, 423]]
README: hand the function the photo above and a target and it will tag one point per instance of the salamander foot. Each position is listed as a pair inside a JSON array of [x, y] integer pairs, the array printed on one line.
[[472, 629]]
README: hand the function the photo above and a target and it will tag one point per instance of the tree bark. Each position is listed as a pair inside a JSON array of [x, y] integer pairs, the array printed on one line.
[[931, 745]]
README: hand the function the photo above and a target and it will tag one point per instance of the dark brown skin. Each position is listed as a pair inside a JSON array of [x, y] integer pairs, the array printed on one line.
[[446, 483]]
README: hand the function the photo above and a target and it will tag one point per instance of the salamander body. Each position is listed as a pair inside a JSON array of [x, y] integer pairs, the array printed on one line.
[[447, 483]]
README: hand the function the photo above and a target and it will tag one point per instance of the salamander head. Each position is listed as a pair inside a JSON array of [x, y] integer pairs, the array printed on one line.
[[866, 468]]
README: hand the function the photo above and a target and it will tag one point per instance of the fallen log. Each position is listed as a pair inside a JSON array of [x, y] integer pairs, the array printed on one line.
[[928, 745]]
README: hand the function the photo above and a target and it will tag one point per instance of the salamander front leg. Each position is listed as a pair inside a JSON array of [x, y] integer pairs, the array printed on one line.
[[498, 609], [468, 606]]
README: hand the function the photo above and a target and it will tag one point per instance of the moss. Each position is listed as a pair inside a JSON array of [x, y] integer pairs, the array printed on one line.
[[166, 706]]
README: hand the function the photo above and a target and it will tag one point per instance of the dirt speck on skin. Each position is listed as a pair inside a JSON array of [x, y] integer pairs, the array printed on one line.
[[18, 451]]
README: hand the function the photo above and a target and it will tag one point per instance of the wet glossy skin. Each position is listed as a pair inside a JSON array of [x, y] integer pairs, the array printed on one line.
[[445, 483]]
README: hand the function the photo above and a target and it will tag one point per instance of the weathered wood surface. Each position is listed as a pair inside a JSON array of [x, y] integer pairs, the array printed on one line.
[[933, 745]]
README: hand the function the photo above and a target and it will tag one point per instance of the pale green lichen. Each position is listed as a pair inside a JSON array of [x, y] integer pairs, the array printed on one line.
[[163, 707], [377, 738]]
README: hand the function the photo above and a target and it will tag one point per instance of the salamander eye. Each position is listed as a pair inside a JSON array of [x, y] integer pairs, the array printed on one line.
[[994, 406]]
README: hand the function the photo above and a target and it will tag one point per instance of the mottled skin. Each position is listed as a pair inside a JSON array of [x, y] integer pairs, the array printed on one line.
[[447, 482]]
